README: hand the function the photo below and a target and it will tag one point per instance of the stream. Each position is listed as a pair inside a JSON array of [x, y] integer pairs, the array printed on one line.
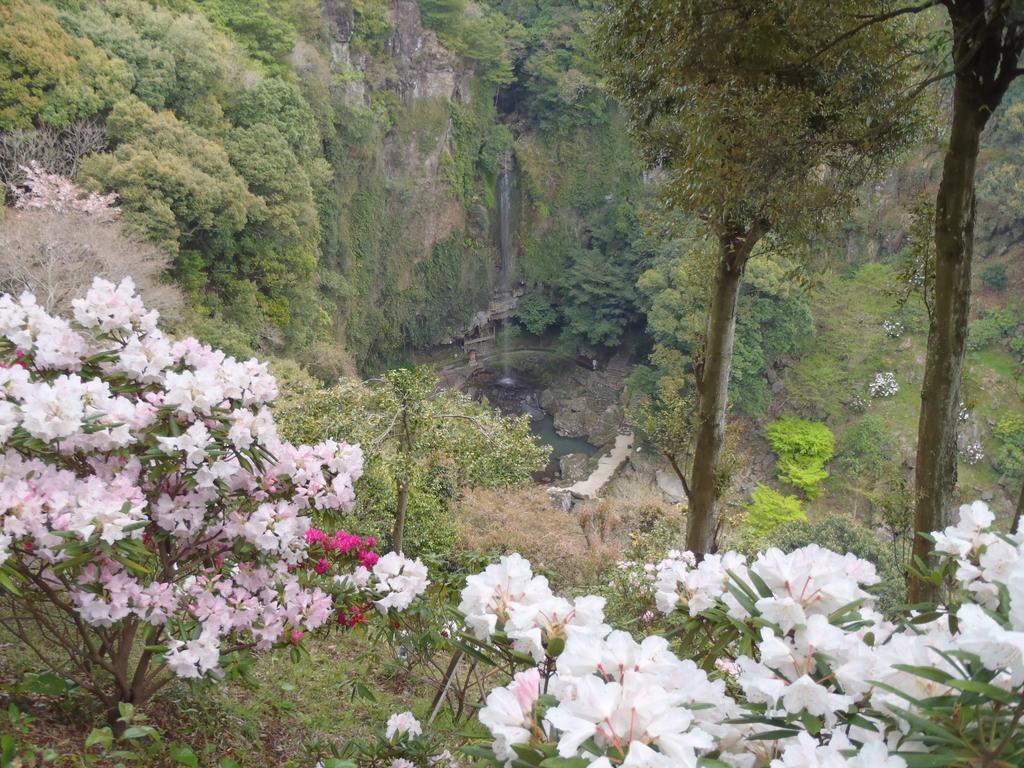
[[517, 394]]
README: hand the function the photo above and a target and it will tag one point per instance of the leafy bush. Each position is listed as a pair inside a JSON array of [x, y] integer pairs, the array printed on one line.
[[783, 656], [169, 526], [994, 276], [841, 533], [997, 326], [49, 77], [536, 313], [804, 448], [1010, 456], [475, 32], [433, 443], [768, 509], [867, 449]]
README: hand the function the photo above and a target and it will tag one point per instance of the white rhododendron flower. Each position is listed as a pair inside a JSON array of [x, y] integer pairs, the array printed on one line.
[[163, 493], [400, 581], [488, 595], [403, 724], [816, 657], [508, 712]]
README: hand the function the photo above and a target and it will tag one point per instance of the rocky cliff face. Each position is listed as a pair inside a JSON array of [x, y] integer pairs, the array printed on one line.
[[424, 68], [402, 224]]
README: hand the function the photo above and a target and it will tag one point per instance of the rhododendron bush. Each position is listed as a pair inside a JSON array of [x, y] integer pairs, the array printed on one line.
[[792, 666], [153, 522]]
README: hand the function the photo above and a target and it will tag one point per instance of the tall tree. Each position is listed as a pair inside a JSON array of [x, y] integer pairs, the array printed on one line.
[[766, 121], [987, 40]]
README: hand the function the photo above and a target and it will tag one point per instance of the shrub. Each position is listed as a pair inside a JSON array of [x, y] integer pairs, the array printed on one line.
[[536, 313], [154, 523], [804, 448], [424, 444], [994, 276], [786, 661], [768, 509], [884, 384], [841, 533], [1010, 457], [48, 77], [996, 325], [867, 449]]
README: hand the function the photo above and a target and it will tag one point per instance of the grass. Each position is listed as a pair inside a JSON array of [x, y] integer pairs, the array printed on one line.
[[279, 713], [851, 346]]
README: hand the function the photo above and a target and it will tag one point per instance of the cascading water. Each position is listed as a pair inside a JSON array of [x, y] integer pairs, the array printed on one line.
[[507, 253]]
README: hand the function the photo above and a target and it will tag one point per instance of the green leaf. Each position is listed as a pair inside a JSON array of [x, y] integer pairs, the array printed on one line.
[[928, 673], [182, 754], [780, 733], [991, 691], [102, 737], [762, 587], [137, 732], [811, 723]]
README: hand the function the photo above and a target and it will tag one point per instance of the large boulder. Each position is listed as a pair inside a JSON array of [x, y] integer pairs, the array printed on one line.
[[574, 466]]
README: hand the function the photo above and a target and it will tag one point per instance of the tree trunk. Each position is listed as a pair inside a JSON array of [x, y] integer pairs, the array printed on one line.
[[935, 473], [1019, 512], [985, 58], [713, 385], [398, 534]]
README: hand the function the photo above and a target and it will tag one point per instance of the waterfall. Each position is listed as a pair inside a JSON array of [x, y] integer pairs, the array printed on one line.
[[506, 251]]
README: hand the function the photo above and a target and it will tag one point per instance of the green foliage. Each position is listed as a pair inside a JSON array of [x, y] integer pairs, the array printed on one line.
[[1000, 179], [371, 25], [867, 449], [994, 276], [999, 326], [477, 142], [769, 509], [215, 155], [773, 321], [773, 314], [435, 441], [280, 104], [1010, 458], [178, 186], [474, 32], [536, 313], [583, 196], [743, 122], [664, 416], [176, 59], [600, 300], [259, 25], [850, 346], [49, 77], [282, 232], [804, 448], [450, 286], [558, 75]]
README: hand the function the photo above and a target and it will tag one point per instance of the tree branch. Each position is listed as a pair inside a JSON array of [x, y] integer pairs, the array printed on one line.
[[679, 473], [870, 21]]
